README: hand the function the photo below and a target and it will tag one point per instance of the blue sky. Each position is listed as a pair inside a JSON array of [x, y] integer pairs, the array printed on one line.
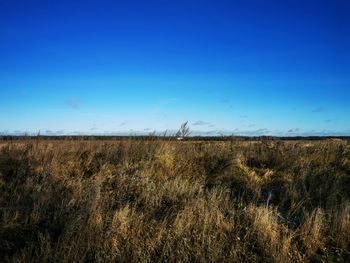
[[242, 67]]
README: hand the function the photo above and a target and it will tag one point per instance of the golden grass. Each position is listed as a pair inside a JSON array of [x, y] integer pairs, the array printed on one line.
[[168, 201]]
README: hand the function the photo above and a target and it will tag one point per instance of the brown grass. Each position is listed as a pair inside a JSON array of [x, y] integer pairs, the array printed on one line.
[[167, 201]]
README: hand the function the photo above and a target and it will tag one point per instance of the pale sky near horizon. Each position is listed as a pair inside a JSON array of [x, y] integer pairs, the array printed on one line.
[[242, 67]]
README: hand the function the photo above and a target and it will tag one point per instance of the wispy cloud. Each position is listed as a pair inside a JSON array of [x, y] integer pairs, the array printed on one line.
[[225, 101], [236, 132], [319, 109], [261, 130], [73, 103], [53, 133], [201, 123], [294, 130]]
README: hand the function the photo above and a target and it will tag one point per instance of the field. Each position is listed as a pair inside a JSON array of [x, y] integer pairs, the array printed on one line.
[[167, 201]]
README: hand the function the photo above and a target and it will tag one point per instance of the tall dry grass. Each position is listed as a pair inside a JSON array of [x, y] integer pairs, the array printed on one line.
[[167, 201]]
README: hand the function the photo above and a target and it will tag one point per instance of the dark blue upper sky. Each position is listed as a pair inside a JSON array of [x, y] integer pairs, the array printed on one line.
[[249, 67]]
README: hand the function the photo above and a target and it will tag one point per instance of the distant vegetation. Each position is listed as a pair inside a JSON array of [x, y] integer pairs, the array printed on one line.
[[157, 200]]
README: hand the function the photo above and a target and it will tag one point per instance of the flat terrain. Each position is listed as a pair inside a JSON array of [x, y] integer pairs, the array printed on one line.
[[167, 201]]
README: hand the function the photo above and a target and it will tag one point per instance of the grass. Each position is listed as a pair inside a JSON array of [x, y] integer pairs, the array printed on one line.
[[168, 201]]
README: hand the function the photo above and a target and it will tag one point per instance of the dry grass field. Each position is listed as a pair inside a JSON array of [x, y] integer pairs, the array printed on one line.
[[168, 201]]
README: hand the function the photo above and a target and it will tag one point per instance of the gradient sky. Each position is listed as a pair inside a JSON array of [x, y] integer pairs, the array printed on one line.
[[243, 67]]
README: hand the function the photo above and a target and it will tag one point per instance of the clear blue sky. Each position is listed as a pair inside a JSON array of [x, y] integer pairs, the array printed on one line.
[[243, 67]]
